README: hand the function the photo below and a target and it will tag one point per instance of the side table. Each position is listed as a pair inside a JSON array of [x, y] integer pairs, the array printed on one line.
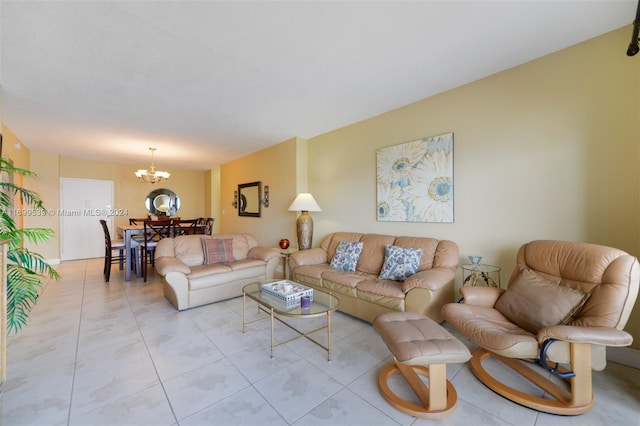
[[285, 253], [473, 273]]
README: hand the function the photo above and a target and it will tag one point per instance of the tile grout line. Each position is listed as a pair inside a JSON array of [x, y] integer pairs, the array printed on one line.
[[164, 391], [75, 360], [225, 357]]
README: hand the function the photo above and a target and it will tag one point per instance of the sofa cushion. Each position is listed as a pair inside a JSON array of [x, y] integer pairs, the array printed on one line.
[[533, 302], [342, 281], [400, 262], [373, 252], [313, 271], [331, 242], [208, 270], [187, 248], [342, 278], [217, 250], [246, 263], [387, 288], [429, 248], [346, 257], [385, 293]]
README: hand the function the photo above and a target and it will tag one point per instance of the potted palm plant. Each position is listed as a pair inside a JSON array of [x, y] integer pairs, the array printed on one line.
[[25, 269]]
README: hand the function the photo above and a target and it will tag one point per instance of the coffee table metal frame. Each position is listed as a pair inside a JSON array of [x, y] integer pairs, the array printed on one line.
[[323, 304]]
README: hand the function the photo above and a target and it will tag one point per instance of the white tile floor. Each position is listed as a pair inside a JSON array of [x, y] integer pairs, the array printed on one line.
[[120, 354]]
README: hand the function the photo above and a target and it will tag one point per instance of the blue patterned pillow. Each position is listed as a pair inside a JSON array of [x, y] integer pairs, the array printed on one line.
[[346, 257], [400, 262]]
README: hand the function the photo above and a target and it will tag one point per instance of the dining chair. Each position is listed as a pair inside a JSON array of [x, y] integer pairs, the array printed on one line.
[[138, 220], [154, 231], [110, 246], [133, 221], [208, 225], [185, 227]]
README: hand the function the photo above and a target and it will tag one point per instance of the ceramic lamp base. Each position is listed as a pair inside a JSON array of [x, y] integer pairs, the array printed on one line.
[[304, 227]]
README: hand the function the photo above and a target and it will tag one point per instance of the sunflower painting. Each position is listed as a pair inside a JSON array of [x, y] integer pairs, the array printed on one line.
[[415, 181]]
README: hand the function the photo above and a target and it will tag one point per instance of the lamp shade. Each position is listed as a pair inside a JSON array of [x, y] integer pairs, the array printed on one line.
[[305, 202]]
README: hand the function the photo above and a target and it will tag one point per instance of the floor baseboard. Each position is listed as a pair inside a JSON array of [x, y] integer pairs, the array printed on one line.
[[625, 356]]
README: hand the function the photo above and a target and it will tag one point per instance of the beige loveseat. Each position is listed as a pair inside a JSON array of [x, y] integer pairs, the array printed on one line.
[[362, 294], [189, 281]]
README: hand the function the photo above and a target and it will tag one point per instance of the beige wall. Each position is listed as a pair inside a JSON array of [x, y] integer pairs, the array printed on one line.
[[129, 193], [276, 167], [549, 149], [15, 151], [47, 167], [545, 150], [212, 197], [18, 153]]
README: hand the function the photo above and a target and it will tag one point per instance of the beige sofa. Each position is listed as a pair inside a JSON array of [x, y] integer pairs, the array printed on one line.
[[362, 294], [190, 282]]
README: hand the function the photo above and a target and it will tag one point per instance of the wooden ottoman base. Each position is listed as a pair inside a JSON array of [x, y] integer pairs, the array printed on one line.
[[438, 400], [420, 347]]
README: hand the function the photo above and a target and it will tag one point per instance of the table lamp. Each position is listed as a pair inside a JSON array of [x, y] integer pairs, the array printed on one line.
[[304, 203]]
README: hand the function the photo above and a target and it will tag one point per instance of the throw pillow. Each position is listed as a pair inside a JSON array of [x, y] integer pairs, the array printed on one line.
[[347, 255], [217, 250], [533, 302], [400, 262]]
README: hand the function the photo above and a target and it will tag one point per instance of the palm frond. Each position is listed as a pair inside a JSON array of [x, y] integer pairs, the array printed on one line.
[[27, 196], [25, 269], [33, 235], [32, 263], [8, 167], [22, 294]]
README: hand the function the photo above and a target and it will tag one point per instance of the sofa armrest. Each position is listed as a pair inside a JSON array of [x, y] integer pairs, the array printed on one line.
[[176, 289], [481, 296], [312, 256], [431, 279], [165, 264], [262, 253], [605, 336]]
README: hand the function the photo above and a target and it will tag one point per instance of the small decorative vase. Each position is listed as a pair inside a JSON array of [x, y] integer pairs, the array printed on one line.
[[284, 243], [475, 261]]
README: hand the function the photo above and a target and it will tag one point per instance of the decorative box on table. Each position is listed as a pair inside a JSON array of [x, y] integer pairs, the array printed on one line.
[[288, 292]]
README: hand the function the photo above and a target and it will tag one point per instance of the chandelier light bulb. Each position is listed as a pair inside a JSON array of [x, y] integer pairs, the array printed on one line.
[[151, 175]]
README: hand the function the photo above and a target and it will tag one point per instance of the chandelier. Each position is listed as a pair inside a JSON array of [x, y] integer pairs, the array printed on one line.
[[151, 175]]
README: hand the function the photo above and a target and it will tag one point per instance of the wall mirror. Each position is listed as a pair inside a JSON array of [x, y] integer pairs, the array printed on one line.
[[162, 202], [249, 199]]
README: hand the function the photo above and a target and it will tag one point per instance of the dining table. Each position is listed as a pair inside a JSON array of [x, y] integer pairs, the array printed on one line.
[[126, 232]]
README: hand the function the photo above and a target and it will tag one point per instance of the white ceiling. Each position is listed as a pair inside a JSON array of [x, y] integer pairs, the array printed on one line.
[[210, 81]]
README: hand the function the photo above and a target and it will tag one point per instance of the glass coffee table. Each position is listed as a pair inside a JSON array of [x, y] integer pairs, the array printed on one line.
[[323, 304]]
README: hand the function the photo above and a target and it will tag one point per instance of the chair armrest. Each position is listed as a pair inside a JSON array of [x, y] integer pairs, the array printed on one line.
[[605, 336], [165, 264], [481, 296], [262, 253], [312, 256], [431, 279]]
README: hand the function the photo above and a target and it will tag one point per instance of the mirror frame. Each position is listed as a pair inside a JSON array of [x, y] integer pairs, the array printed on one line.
[[174, 202], [243, 192]]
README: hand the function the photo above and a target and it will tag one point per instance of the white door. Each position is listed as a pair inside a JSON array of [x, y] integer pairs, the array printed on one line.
[[83, 203]]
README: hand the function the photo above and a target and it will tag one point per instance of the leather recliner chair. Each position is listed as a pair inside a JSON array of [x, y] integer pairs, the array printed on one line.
[[565, 303]]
